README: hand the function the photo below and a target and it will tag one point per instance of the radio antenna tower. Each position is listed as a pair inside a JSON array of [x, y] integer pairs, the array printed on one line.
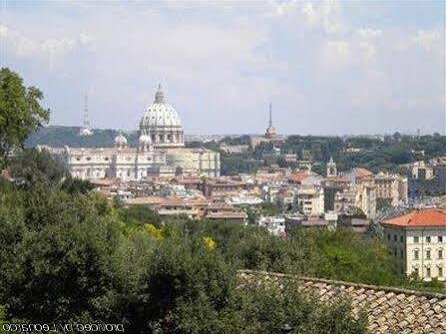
[[86, 127]]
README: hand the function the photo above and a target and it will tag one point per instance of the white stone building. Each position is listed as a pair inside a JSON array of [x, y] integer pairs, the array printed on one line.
[[418, 240], [391, 188], [310, 200], [160, 151]]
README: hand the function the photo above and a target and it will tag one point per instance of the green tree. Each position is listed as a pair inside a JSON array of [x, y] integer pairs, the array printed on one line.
[[33, 167], [21, 113], [60, 257]]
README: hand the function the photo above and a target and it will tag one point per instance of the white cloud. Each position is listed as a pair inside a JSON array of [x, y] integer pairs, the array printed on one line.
[[3, 31], [225, 62], [27, 45], [427, 39], [367, 33]]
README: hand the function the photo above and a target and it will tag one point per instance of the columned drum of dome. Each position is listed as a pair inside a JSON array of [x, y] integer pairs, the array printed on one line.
[[162, 124]]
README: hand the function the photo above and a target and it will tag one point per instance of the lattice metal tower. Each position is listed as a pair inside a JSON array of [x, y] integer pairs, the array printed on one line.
[[86, 126]]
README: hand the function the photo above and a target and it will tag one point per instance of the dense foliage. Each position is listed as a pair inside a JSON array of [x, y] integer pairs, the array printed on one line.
[[76, 257], [21, 113], [372, 153]]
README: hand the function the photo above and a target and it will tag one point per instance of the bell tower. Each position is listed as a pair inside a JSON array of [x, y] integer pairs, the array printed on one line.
[[331, 168]]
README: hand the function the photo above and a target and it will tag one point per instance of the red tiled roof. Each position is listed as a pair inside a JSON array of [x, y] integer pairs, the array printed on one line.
[[298, 176], [427, 217], [388, 309], [362, 172]]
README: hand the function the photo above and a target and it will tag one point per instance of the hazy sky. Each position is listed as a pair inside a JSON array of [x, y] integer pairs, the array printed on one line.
[[332, 67]]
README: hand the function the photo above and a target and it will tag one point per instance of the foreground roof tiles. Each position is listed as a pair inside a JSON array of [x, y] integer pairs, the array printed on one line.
[[389, 310], [427, 217]]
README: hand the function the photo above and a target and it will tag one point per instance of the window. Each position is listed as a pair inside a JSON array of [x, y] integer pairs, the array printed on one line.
[[416, 240], [388, 236], [428, 239], [440, 238], [88, 158], [416, 254], [428, 254], [440, 253], [416, 271], [395, 237], [401, 238], [401, 253], [428, 271], [440, 271]]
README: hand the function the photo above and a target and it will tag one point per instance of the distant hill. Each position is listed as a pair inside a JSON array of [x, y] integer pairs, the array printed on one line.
[[59, 136]]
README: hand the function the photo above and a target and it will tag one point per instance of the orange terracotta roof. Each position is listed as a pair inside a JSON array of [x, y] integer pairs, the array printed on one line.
[[427, 217], [298, 176], [362, 172]]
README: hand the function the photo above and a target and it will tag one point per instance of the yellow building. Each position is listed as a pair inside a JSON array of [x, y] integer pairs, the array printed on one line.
[[418, 239]]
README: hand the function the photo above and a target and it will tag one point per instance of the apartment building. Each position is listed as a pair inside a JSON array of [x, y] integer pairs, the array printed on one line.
[[418, 240], [391, 188], [310, 200]]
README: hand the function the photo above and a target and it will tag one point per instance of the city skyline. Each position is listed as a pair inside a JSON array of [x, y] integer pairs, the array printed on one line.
[[327, 67]]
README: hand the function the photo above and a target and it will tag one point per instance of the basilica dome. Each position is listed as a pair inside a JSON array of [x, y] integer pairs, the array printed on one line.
[[120, 140], [162, 123]]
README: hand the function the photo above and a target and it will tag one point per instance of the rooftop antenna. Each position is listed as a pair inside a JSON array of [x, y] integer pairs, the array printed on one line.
[[86, 126]]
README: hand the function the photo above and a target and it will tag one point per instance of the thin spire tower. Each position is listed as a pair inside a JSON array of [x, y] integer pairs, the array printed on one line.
[[270, 130], [86, 126], [270, 114]]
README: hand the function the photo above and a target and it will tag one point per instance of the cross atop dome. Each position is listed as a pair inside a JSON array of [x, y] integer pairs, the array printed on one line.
[[159, 96]]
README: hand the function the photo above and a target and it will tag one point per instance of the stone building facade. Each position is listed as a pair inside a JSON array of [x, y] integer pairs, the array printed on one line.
[[160, 151], [391, 189], [418, 240]]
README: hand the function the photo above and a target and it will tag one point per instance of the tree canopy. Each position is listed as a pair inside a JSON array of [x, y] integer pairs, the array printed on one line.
[[21, 112]]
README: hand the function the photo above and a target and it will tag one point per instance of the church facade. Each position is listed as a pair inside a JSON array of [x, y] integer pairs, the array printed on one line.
[[160, 151]]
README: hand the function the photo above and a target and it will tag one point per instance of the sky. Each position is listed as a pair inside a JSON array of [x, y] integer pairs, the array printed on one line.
[[327, 67]]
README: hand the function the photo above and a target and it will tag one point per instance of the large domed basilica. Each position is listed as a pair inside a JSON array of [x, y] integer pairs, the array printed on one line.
[[162, 123], [160, 151]]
